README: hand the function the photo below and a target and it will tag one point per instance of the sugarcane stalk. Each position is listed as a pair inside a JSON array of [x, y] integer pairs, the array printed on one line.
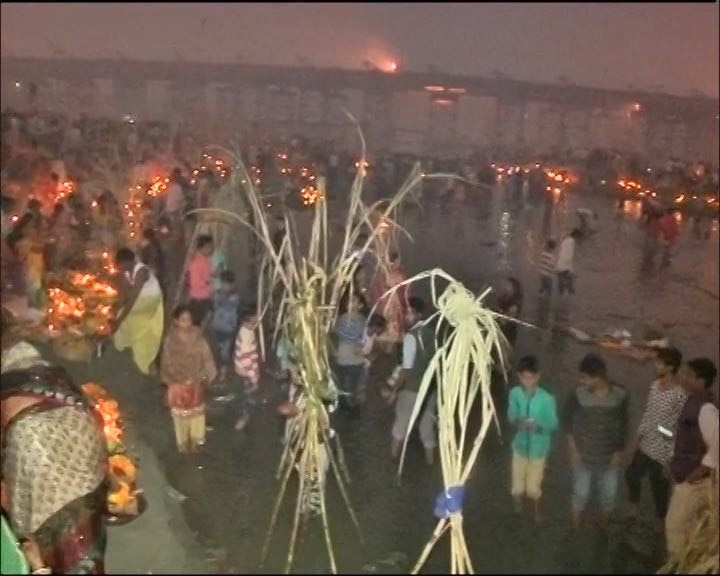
[[298, 506], [275, 513], [440, 529]]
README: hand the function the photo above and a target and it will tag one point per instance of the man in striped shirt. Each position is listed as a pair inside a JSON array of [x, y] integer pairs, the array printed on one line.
[[652, 450], [547, 268]]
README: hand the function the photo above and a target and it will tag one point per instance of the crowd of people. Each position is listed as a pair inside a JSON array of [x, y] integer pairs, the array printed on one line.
[[208, 351]]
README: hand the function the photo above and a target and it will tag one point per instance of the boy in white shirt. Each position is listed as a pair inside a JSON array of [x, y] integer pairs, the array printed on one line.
[[565, 266]]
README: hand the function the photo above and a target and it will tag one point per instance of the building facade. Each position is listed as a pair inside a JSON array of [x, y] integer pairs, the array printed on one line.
[[422, 113]]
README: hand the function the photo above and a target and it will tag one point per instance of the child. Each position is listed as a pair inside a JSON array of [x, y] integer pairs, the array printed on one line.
[[349, 358], [247, 363], [187, 367], [547, 268], [376, 326], [226, 302], [532, 411], [200, 275]]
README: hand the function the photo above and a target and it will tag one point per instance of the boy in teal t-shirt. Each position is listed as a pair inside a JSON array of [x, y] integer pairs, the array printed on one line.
[[533, 413]]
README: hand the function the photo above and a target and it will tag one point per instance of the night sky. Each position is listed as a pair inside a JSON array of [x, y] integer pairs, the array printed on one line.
[[668, 47]]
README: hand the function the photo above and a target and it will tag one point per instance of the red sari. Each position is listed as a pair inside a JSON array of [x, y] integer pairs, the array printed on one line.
[[393, 306]]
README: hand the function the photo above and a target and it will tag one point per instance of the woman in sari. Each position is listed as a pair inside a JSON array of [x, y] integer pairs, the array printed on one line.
[[187, 367], [393, 306], [140, 321], [54, 464]]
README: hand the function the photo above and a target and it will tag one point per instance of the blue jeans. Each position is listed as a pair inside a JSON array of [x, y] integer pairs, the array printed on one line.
[[606, 479]]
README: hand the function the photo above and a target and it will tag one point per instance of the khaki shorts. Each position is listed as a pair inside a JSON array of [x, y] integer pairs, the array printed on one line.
[[527, 476]]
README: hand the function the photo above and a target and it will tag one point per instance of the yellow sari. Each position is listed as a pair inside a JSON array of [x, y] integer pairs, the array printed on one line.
[[142, 329]]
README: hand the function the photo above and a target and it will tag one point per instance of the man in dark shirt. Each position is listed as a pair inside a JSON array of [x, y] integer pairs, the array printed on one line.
[[596, 424], [695, 457]]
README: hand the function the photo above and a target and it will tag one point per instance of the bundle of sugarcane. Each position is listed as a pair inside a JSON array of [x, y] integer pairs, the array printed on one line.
[[311, 286], [702, 554], [468, 338]]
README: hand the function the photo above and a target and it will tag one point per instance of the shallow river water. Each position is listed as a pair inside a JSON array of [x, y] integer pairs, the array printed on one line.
[[229, 490]]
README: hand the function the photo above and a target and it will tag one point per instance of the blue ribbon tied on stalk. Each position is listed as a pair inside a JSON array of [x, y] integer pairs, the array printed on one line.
[[449, 502]]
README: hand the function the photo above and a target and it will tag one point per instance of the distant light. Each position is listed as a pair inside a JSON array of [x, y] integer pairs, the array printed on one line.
[[457, 90], [391, 66], [434, 88], [636, 107], [17, 85], [443, 101]]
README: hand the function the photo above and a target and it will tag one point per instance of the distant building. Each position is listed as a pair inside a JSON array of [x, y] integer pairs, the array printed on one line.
[[405, 111]]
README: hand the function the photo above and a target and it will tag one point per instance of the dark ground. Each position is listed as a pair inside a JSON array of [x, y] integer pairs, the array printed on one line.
[[230, 489]]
